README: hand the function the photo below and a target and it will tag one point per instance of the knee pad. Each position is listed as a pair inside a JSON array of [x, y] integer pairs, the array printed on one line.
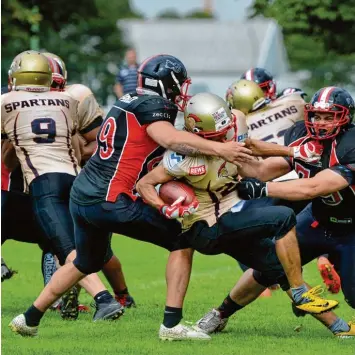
[[88, 266], [263, 279]]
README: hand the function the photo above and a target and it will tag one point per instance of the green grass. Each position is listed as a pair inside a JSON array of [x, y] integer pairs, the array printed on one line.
[[265, 327]]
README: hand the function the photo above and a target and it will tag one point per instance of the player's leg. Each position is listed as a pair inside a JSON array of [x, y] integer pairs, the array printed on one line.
[[91, 243], [114, 275], [143, 222]]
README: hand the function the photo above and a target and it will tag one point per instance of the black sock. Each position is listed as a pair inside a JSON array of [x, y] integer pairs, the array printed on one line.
[[33, 316], [122, 292], [103, 297], [228, 307], [172, 316]]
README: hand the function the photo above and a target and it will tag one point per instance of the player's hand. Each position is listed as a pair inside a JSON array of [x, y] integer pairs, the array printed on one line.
[[310, 152], [176, 210], [235, 153], [251, 188]]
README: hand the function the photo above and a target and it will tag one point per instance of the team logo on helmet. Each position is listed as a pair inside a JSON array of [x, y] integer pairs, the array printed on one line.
[[175, 67]]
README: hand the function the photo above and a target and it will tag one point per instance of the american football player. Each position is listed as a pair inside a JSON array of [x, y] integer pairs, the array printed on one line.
[[89, 110], [40, 124], [268, 121], [326, 225], [213, 228]]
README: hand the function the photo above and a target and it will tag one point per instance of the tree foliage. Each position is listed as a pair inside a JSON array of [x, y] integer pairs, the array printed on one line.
[[319, 36], [88, 40]]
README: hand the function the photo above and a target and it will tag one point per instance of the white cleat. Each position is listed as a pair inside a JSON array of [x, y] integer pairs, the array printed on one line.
[[182, 332], [212, 322], [18, 325]]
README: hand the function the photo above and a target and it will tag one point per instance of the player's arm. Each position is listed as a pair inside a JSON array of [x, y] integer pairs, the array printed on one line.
[[146, 186], [88, 143], [324, 183], [8, 154], [76, 146], [166, 135], [118, 88], [265, 170]]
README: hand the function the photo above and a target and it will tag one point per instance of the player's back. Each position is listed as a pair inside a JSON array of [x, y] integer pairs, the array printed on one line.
[[40, 126], [125, 151], [271, 122]]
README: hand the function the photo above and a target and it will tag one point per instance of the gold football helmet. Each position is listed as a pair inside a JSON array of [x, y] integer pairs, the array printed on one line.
[[209, 116], [59, 71], [245, 95], [30, 71]]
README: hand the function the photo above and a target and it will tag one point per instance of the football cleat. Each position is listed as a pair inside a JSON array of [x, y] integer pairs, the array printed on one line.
[[125, 300], [329, 275], [110, 310], [69, 305], [83, 309], [212, 322], [350, 333], [18, 325], [312, 303], [182, 332]]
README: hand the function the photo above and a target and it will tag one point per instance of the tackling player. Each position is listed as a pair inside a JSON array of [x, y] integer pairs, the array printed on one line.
[[326, 225], [269, 121]]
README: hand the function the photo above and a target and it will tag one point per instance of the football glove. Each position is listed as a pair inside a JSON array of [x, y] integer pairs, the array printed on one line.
[[310, 152], [251, 188], [176, 210]]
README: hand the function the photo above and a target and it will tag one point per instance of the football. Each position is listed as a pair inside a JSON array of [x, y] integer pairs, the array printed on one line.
[[172, 190]]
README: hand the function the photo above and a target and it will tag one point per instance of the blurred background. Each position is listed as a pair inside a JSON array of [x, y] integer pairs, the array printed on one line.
[[307, 44]]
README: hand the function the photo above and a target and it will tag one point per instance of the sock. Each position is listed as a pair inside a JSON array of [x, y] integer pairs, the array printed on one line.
[[229, 307], [297, 293], [103, 297], [172, 316], [122, 292], [33, 316], [339, 326]]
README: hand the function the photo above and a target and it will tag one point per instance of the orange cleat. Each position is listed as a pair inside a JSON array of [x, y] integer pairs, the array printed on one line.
[[329, 275]]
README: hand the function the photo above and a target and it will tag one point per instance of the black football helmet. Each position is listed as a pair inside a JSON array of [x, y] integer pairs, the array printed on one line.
[[167, 76], [264, 79], [335, 101]]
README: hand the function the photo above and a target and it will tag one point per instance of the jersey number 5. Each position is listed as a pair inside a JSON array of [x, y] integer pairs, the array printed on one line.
[[106, 138], [44, 126]]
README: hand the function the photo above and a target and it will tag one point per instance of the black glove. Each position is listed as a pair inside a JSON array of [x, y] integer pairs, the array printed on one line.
[[250, 188]]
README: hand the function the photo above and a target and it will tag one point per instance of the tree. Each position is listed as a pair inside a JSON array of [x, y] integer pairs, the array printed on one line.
[[88, 41], [319, 36], [169, 14]]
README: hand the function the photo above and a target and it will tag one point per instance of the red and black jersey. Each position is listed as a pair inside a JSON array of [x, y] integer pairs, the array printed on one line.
[[125, 152], [336, 210], [12, 181]]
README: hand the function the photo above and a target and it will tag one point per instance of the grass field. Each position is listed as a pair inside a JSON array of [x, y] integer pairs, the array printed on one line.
[[265, 327]]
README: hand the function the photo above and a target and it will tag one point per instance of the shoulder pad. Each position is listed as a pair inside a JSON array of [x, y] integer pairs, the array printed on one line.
[[78, 91]]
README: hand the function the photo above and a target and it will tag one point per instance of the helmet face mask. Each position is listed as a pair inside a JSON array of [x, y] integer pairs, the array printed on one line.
[[264, 79], [165, 75], [330, 111], [209, 116], [59, 72]]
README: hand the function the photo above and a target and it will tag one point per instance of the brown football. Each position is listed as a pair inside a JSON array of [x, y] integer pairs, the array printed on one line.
[[172, 190]]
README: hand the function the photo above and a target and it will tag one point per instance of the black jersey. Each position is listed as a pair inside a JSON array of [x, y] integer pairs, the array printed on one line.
[[125, 152], [336, 210]]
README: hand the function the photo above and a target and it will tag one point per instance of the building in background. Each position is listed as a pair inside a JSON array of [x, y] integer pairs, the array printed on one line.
[[215, 53]]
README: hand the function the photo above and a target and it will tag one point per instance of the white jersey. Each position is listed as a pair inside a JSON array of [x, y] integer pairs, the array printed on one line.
[[271, 122], [88, 108], [212, 178], [40, 126]]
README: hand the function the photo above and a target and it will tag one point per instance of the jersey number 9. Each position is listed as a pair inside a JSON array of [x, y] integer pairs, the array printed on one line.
[[44, 126]]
